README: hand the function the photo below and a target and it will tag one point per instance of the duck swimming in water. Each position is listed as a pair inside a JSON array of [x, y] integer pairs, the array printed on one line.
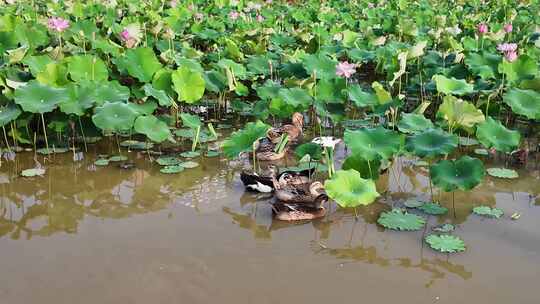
[[294, 130], [266, 150], [266, 183], [299, 202]]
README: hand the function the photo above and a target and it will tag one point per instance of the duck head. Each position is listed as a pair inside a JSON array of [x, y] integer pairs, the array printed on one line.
[[298, 120], [316, 189]]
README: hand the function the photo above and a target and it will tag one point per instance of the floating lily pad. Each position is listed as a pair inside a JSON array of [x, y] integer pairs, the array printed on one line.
[[52, 150], [189, 164], [101, 162], [349, 189], [433, 209], [488, 211], [444, 228], [168, 161], [398, 219], [172, 169], [118, 158], [136, 145], [502, 173], [190, 154], [33, 172], [223, 126], [445, 243], [212, 153], [413, 203]]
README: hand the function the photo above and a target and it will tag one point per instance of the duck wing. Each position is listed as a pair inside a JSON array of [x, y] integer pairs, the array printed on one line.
[[255, 182]]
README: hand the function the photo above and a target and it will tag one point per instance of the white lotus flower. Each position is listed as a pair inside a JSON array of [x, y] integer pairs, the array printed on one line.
[[326, 141]]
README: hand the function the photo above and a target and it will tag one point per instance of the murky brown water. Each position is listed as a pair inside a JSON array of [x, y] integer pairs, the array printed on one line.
[[82, 234]]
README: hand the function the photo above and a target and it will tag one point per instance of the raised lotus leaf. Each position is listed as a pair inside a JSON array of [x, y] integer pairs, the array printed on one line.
[[349, 189], [295, 97], [373, 143], [161, 96], [432, 143], [140, 63], [488, 211], [38, 98], [146, 108], [188, 84], [360, 97], [524, 102], [445, 243], [191, 121], [452, 86], [502, 173], [242, 140], [366, 169], [81, 97], [523, 68], [190, 154], [117, 116], [433, 209], [33, 172], [444, 228], [312, 149], [464, 173], [172, 169], [483, 65], [414, 123], [189, 164], [153, 128], [168, 161], [87, 68], [492, 134], [459, 113], [8, 113], [397, 219]]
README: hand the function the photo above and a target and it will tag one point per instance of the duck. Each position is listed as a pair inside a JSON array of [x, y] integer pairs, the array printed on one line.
[[265, 150], [266, 183], [294, 130], [298, 196]]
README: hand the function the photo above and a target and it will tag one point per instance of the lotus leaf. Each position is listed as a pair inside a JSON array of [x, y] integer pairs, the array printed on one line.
[[467, 141], [38, 98], [81, 97], [320, 65], [161, 96], [212, 153], [190, 154], [492, 134], [33, 172], [188, 84], [349, 189], [373, 143], [459, 113], [483, 65], [8, 113], [172, 169], [398, 219], [153, 128], [168, 161], [189, 164], [52, 150], [295, 97], [433, 209], [524, 102], [360, 97], [191, 121], [452, 86], [464, 173], [116, 116], [502, 173], [118, 158], [523, 68], [488, 211], [311, 149], [136, 145], [481, 152], [366, 169], [444, 228], [140, 63], [414, 123], [432, 143], [413, 203], [87, 68], [445, 243], [242, 140], [101, 162]]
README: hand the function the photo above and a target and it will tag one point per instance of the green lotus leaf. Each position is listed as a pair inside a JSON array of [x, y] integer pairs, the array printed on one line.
[[373, 143], [398, 219], [191, 121], [483, 65], [37, 64], [523, 68], [38, 98], [33, 172], [330, 90], [153, 128], [115, 117], [483, 152], [146, 108], [189, 164], [311, 149], [242, 140], [212, 153], [349, 189], [140, 63], [413, 203], [360, 97], [432, 143], [161, 96], [445, 243], [433, 209], [215, 81], [502, 173], [81, 97], [444, 228], [52, 150], [136, 145], [296, 97], [87, 68], [452, 86], [54, 74], [492, 134], [118, 158], [185, 133], [320, 65], [188, 84], [168, 161], [464, 173], [459, 113], [190, 154], [110, 91], [414, 123], [101, 162], [9, 113], [383, 96], [488, 211], [172, 169], [366, 169], [524, 102], [467, 141]]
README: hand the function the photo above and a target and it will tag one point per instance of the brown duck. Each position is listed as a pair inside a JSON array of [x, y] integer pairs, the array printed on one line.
[[294, 130]]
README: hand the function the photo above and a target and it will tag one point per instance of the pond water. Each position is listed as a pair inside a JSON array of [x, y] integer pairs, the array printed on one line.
[[86, 234]]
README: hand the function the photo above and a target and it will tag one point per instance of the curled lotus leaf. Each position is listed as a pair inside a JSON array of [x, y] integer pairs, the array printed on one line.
[[431, 143], [464, 173], [243, 140], [367, 169], [452, 86], [414, 123], [373, 143], [349, 189], [492, 134], [524, 102], [459, 113], [397, 219], [445, 243]]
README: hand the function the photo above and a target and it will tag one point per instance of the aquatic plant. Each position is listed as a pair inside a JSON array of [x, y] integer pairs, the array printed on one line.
[[445, 243], [349, 189], [502, 173], [488, 211], [397, 219]]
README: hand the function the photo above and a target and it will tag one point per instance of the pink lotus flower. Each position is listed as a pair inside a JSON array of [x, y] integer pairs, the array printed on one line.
[[58, 24], [482, 28], [508, 28], [260, 18], [511, 56], [507, 47], [124, 35], [234, 15], [345, 69]]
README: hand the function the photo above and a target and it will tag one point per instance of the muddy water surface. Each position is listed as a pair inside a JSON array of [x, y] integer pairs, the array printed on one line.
[[86, 234]]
